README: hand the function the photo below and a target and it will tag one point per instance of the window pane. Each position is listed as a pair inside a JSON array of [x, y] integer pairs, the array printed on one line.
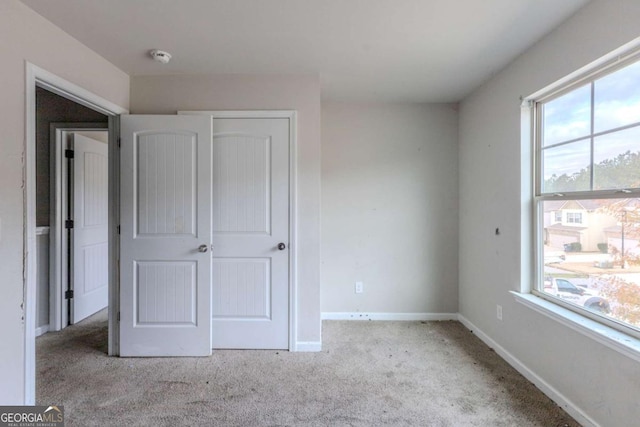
[[617, 99], [567, 117], [574, 217], [566, 168], [616, 158], [595, 264]]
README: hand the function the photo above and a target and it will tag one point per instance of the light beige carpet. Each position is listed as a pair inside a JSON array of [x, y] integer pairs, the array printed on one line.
[[368, 374]]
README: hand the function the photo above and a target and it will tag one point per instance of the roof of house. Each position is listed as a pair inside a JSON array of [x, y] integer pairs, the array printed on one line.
[[553, 205], [560, 227], [586, 204]]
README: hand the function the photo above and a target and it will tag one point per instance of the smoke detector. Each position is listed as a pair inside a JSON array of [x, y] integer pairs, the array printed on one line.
[[160, 56]]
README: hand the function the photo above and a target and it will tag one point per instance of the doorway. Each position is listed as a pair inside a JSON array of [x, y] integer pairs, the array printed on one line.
[[71, 278]]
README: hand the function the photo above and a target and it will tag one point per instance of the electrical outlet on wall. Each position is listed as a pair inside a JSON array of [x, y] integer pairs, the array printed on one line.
[[359, 287], [499, 312]]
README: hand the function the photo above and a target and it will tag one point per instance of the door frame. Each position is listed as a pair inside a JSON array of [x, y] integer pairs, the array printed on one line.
[[58, 245], [39, 77], [292, 116]]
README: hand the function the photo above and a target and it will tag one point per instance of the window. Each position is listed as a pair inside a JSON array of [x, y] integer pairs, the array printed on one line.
[[574, 217], [587, 154]]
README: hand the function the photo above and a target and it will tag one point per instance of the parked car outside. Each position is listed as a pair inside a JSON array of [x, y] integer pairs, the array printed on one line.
[[587, 298], [553, 255]]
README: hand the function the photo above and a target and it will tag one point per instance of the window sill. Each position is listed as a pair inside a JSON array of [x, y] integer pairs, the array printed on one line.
[[612, 338]]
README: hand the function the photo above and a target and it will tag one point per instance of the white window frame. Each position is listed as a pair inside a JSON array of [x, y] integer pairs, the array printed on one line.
[[614, 62]]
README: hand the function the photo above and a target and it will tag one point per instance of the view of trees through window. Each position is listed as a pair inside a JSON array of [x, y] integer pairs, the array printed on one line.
[[588, 180], [625, 166]]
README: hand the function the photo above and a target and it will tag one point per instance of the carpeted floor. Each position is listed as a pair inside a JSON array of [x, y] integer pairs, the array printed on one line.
[[368, 374]]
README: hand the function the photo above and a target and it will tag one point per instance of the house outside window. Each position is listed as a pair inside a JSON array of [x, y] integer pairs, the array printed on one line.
[[587, 156]]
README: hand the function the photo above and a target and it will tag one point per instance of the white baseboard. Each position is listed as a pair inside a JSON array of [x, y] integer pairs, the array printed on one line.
[[389, 316], [308, 346], [42, 330], [545, 387]]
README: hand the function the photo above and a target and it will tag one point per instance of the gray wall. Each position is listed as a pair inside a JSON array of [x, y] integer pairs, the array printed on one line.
[[26, 36], [52, 108], [167, 94], [389, 207], [599, 381]]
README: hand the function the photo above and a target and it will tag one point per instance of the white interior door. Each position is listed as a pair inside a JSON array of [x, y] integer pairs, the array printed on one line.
[[165, 259], [90, 228], [250, 301]]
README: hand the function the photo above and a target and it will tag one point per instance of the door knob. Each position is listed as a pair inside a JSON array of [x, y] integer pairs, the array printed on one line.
[[203, 248], [281, 246]]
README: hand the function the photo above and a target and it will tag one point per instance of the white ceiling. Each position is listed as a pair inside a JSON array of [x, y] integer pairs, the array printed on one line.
[[393, 50]]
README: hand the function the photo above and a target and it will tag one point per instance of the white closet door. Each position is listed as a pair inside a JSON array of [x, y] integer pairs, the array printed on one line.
[[165, 264], [250, 304]]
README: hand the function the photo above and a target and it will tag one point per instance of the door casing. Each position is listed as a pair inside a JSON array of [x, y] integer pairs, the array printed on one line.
[[39, 77]]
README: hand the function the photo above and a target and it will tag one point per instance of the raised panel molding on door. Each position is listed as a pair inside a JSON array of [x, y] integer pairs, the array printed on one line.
[[166, 184], [243, 289], [242, 184], [165, 289], [172, 288]]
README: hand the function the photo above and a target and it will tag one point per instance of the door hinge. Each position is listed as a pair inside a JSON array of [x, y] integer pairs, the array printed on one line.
[[118, 228], [118, 316], [68, 294], [68, 223], [68, 154], [119, 142]]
